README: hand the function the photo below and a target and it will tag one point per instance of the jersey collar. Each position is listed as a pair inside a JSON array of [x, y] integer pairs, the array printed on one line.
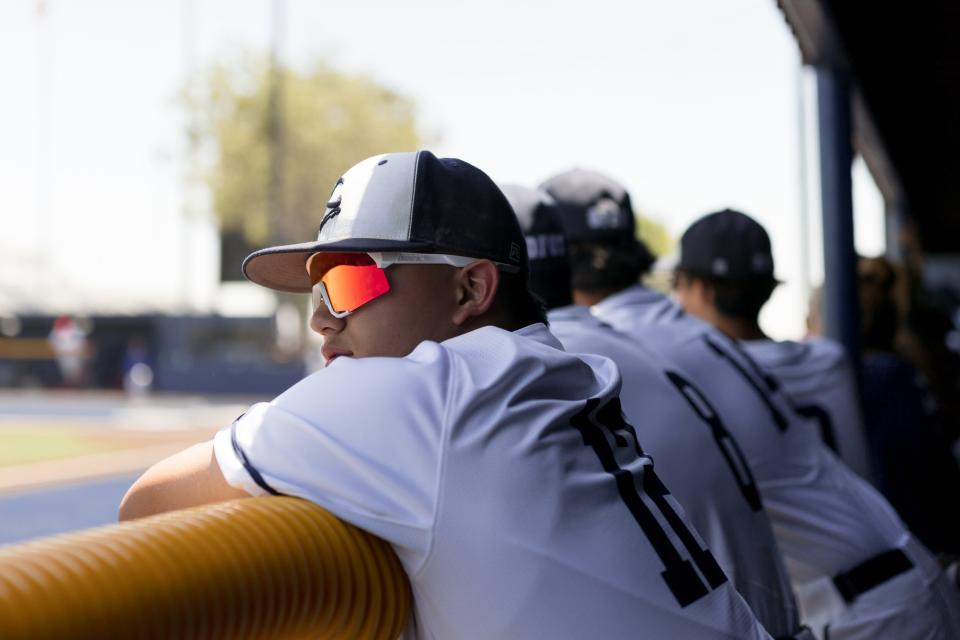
[[572, 313], [538, 332], [634, 295]]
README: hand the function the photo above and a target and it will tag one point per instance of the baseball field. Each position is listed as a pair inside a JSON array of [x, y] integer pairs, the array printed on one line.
[[52, 439], [22, 445]]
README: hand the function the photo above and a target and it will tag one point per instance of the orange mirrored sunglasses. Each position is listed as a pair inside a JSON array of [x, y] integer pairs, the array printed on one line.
[[344, 282]]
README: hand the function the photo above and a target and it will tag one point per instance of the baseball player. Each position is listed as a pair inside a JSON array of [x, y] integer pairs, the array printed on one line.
[[675, 422], [816, 373], [450, 423], [858, 571]]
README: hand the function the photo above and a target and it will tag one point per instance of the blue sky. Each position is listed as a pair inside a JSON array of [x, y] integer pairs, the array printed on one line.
[[692, 104]]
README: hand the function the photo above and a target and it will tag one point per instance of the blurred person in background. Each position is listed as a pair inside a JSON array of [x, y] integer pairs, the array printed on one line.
[[911, 451], [137, 368], [928, 336], [70, 348]]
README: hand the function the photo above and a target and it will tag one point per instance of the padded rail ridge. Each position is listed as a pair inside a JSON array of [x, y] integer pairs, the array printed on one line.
[[252, 568]]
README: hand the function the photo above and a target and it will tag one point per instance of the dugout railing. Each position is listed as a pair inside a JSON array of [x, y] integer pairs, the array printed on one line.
[[252, 568]]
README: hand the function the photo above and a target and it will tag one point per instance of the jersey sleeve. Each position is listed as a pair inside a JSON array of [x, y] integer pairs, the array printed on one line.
[[363, 439]]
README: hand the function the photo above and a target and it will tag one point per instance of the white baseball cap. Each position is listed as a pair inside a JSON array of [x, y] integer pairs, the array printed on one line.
[[409, 202]]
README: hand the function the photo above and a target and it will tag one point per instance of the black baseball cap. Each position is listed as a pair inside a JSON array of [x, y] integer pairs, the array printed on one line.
[[410, 202], [727, 244], [596, 209], [540, 220]]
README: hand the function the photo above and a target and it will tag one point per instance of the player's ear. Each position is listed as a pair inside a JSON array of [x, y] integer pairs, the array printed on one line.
[[476, 288]]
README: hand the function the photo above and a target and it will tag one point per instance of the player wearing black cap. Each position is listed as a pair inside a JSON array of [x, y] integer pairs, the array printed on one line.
[[725, 276], [599, 223]]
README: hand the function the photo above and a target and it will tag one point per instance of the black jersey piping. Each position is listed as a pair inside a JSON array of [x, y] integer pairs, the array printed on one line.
[[246, 463]]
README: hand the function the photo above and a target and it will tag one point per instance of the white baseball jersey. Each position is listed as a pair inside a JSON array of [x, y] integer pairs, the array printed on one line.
[[827, 520], [501, 470], [698, 460], [819, 379]]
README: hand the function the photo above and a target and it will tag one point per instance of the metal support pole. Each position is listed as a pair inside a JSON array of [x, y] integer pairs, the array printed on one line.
[[804, 187], [841, 302]]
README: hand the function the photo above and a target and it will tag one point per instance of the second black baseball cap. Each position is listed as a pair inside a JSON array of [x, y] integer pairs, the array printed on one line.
[[539, 217], [410, 202], [727, 244], [596, 209]]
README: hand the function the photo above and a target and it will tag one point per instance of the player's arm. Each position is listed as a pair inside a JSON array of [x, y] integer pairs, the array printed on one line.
[[186, 479]]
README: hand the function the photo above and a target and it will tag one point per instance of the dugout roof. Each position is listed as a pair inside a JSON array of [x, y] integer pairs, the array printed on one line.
[[905, 62]]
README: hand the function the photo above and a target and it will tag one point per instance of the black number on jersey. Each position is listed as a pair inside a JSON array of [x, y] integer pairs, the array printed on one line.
[[823, 420], [728, 446], [596, 423], [778, 417]]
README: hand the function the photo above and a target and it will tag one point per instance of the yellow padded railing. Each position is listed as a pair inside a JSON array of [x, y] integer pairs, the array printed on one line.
[[253, 568]]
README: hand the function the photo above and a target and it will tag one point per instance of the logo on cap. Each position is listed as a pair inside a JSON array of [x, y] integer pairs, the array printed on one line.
[[514, 252], [720, 266], [545, 245], [605, 214], [333, 206]]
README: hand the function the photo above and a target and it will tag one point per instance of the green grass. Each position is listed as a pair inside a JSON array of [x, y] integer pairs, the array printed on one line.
[[19, 446]]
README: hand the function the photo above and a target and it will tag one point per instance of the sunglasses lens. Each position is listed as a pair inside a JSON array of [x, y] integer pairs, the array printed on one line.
[[319, 263], [351, 286]]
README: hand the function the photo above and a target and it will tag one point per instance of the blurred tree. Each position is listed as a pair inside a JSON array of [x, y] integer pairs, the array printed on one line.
[[655, 235], [329, 121]]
